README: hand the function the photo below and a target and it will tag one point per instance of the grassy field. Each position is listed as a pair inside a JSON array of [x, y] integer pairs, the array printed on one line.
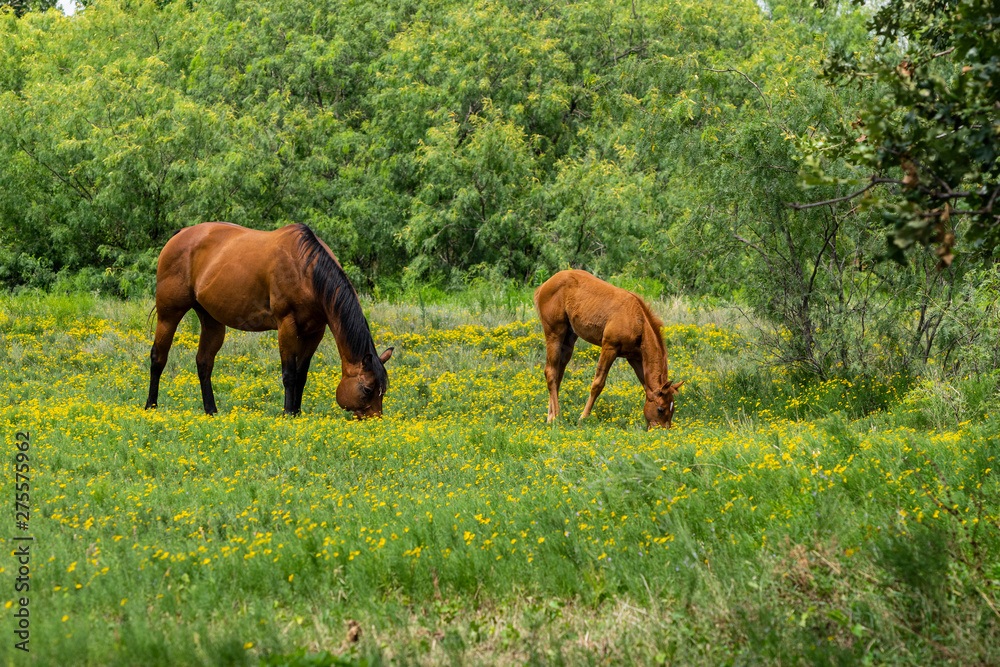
[[779, 522]]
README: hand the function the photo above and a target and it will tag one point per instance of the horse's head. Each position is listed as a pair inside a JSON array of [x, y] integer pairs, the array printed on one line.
[[659, 408], [361, 392]]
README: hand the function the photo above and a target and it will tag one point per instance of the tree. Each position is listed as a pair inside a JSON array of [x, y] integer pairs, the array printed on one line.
[[22, 7], [923, 151]]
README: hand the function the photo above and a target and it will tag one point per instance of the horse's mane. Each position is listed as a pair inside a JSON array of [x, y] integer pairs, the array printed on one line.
[[654, 321], [333, 287]]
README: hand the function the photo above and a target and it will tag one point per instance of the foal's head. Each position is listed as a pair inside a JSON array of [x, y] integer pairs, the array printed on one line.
[[361, 392], [659, 408]]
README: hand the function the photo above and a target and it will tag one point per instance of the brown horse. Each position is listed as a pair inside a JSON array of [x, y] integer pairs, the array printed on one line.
[[260, 281], [574, 304]]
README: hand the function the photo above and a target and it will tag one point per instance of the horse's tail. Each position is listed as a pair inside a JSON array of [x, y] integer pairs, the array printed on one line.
[[537, 298], [149, 317]]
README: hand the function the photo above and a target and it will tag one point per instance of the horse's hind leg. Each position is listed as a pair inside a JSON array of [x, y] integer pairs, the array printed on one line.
[[213, 333], [167, 320], [558, 352]]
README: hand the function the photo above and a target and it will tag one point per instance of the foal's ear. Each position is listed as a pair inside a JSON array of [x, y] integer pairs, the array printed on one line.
[[670, 388], [385, 356]]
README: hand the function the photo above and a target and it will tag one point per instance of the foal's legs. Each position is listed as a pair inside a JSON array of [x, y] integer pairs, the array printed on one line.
[[558, 352], [167, 320], [608, 356], [213, 333]]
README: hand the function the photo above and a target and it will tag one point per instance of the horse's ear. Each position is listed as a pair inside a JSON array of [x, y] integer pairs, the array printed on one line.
[[668, 388], [385, 356]]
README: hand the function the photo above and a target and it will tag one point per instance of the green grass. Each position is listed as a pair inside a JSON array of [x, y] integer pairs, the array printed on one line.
[[779, 522]]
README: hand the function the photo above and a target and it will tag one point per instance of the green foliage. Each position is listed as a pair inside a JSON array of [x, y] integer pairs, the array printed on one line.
[[20, 7], [439, 144], [601, 213], [302, 658], [932, 130], [430, 136], [110, 146], [461, 216], [971, 332], [919, 560]]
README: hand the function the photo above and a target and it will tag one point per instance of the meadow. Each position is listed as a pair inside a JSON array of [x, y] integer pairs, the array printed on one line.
[[779, 522]]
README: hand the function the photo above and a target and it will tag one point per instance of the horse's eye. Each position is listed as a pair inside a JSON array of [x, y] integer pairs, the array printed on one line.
[[659, 409], [367, 391]]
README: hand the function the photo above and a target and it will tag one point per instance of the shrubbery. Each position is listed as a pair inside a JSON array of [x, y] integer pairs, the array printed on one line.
[[434, 145]]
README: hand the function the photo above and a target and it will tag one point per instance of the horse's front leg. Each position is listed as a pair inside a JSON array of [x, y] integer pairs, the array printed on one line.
[[608, 356], [307, 347], [288, 348], [296, 354], [636, 364]]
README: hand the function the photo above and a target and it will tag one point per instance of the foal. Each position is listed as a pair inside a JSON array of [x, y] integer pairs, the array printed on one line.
[[574, 304]]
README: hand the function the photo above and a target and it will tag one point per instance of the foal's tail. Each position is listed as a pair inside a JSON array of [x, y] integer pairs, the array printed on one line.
[[550, 286], [538, 297], [149, 317]]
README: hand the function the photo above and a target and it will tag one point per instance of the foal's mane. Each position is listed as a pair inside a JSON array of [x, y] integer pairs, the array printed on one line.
[[653, 320], [335, 290]]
